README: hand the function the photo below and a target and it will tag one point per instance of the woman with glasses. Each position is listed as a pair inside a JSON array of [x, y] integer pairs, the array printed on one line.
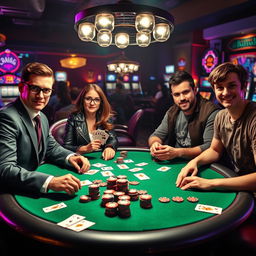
[[93, 112]]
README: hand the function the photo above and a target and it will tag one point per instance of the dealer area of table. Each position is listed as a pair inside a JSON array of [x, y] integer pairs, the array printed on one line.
[[165, 226]]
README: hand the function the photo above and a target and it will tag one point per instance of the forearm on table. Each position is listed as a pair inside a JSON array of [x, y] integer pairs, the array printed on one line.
[[245, 182], [189, 153]]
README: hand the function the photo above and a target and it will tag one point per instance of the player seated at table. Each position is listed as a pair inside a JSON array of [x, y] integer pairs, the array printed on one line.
[[25, 143], [93, 115], [234, 130], [187, 127]]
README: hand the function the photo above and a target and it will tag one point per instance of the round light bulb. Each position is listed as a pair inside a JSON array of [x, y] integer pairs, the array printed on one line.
[[104, 39], [122, 40], [86, 31], [143, 39], [144, 22], [104, 22], [161, 32]]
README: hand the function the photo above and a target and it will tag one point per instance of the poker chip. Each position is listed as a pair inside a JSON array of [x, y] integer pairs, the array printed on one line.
[[85, 199], [164, 199], [192, 199], [142, 192], [177, 199], [103, 184], [97, 181], [134, 182]]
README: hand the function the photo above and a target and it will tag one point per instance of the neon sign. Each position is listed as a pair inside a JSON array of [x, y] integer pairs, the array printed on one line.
[[210, 61], [9, 61]]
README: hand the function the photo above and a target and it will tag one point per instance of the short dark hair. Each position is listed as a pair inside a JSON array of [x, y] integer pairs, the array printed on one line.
[[181, 76], [219, 74]]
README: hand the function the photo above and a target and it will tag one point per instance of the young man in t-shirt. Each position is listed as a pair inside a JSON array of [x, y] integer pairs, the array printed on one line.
[[187, 127], [234, 130]]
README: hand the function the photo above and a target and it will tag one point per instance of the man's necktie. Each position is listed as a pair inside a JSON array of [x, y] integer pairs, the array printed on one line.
[[38, 128]]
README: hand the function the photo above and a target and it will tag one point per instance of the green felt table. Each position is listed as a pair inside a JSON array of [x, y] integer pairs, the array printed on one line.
[[165, 225], [161, 215]]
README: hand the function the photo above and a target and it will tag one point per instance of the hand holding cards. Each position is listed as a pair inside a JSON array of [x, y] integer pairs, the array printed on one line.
[[100, 135]]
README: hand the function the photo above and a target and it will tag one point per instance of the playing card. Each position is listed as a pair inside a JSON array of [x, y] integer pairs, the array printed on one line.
[[98, 165], [136, 169], [81, 225], [54, 207], [106, 168], [208, 208], [123, 166], [71, 220], [141, 164], [100, 135], [142, 176], [107, 173], [164, 169], [92, 171], [85, 182], [128, 161]]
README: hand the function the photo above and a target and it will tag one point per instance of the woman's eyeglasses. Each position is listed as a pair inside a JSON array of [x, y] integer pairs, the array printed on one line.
[[89, 100]]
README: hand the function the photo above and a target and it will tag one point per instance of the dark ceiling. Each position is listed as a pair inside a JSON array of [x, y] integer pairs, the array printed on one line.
[[49, 24]]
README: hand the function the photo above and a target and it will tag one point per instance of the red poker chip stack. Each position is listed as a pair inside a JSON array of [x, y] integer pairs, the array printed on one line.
[[122, 185], [124, 208], [94, 191], [117, 194], [124, 197], [119, 160], [111, 183], [111, 209], [106, 198], [133, 193], [145, 201]]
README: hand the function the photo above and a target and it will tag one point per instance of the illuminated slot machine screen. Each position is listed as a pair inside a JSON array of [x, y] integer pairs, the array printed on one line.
[[248, 61], [136, 86], [9, 87], [205, 89], [61, 76], [110, 83]]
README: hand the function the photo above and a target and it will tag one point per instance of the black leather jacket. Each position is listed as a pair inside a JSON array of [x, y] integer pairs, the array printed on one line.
[[76, 133]]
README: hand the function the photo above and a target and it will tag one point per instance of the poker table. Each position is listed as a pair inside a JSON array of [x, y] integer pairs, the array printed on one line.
[[165, 226]]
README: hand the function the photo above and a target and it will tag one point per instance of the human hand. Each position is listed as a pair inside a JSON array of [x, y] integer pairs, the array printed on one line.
[[108, 153], [165, 152], [196, 182], [154, 147], [68, 183], [190, 168], [81, 163]]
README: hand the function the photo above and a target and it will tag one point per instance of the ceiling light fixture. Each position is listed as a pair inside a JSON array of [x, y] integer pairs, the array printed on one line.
[[124, 24], [122, 65], [73, 62]]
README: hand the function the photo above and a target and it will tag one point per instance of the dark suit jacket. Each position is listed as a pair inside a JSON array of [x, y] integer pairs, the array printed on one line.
[[19, 155], [76, 133]]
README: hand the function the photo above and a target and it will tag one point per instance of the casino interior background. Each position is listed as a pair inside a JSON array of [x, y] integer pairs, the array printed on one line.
[[206, 33]]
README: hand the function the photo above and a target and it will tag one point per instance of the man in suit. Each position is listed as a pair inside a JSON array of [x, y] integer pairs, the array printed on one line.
[[23, 147]]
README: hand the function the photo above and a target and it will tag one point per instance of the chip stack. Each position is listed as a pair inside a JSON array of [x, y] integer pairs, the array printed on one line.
[[94, 191], [122, 185], [145, 201], [124, 197], [119, 160], [123, 154], [121, 177], [106, 198], [111, 209], [117, 194], [124, 208], [134, 195], [111, 183]]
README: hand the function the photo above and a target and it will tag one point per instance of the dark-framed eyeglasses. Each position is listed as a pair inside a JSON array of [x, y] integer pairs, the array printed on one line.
[[89, 100], [35, 89]]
